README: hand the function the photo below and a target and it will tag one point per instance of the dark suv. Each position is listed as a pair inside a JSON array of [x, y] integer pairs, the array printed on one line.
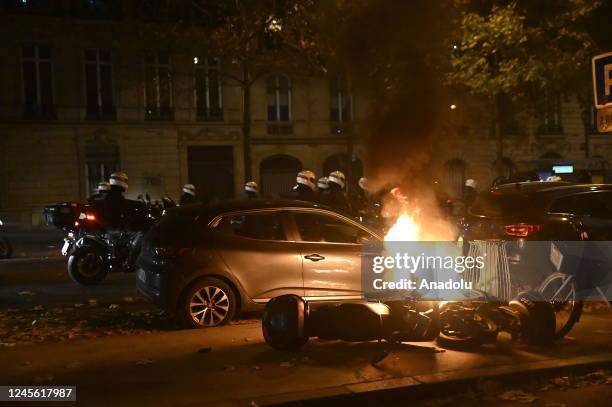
[[542, 211], [206, 263]]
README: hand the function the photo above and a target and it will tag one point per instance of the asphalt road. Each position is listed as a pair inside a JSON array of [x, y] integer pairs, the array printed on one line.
[[231, 365]]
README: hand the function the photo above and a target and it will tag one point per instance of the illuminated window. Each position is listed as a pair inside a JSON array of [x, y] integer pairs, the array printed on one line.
[[99, 96], [279, 98], [550, 114], [208, 89], [158, 87], [340, 109], [38, 92]]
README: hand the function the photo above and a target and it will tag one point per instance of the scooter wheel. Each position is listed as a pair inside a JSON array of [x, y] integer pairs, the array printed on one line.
[[283, 322], [86, 267]]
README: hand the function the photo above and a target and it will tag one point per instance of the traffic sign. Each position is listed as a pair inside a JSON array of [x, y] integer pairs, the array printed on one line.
[[602, 80]]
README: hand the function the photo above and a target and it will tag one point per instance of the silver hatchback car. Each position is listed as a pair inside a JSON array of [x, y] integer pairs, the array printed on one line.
[[204, 264]]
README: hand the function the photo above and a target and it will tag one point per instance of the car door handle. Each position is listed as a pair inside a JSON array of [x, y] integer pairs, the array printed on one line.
[[314, 257]]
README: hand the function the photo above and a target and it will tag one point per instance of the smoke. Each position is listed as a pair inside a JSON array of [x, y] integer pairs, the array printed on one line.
[[391, 48], [394, 49]]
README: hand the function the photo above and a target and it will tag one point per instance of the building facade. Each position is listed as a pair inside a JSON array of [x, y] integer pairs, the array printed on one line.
[[82, 95]]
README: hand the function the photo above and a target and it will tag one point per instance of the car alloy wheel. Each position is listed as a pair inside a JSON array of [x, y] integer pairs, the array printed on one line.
[[209, 306]]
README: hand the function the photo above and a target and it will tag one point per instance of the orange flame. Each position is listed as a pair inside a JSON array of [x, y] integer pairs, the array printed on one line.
[[405, 229]]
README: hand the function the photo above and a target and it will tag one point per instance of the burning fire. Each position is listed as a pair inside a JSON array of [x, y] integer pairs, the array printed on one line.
[[413, 224], [405, 229]]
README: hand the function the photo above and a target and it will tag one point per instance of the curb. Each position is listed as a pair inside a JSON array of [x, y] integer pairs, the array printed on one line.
[[19, 260], [411, 387]]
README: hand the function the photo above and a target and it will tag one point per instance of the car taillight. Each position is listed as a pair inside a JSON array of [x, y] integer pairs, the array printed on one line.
[[522, 229]]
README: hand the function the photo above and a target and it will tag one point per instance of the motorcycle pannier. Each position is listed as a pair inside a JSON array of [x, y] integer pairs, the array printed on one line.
[[62, 215]]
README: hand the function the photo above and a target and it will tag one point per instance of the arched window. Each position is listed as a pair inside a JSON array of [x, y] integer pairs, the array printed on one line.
[[279, 98], [277, 174]]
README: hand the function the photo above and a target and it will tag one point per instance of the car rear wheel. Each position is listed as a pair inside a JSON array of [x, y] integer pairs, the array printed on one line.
[[208, 302]]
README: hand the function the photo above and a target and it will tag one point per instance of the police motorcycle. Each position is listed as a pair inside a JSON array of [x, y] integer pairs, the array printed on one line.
[[6, 250], [92, 250]]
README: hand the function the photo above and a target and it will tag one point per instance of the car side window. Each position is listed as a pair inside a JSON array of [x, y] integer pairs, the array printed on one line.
[[322, 228], [595, 204], [261, 226]]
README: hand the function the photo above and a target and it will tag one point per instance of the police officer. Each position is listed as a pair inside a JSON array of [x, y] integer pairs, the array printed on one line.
[[251, 190], [304, 189], [188, 195], [337, 197], [103, 188], [469, 192], [322, 189]]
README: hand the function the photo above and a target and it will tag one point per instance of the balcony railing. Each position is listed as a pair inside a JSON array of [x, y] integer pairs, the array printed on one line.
[[159, 113], [280, 128], [101, 113]]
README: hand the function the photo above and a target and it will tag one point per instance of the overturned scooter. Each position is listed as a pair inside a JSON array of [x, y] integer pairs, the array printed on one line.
[[529, 318], [288, 322]]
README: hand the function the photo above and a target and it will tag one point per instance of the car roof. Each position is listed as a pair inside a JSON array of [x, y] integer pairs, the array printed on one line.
[[529, 186], [219, 207]]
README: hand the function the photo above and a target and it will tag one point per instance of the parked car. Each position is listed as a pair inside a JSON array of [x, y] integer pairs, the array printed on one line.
[[537, 219], [207, 263]]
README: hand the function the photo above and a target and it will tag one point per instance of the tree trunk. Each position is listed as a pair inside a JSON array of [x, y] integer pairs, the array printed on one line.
[[246, 122], [499, 140]]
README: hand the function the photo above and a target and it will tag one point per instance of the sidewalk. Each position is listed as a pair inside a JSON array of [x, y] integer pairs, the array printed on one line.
[[232, 366]]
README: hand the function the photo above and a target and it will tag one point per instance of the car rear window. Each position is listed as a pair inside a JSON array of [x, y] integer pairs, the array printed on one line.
[[496, 204], [262, 226], [177, 224]]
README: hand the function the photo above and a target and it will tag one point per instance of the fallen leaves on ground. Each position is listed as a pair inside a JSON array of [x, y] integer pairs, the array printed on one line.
[[40, 324], [595, 306], [518, 396]]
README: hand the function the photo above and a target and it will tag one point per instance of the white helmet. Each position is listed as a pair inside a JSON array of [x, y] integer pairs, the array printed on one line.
[[189, 189], [306, 178], [363, 183], [119, 179], [251, 186], [103, 186], [322, 183], [338, 178], [470, 183]]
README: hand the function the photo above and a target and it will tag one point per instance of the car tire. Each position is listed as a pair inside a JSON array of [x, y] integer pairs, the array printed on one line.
[[86, 267], [207, 303]]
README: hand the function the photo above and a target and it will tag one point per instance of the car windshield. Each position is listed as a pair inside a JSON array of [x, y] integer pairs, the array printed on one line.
[[496, 204]]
